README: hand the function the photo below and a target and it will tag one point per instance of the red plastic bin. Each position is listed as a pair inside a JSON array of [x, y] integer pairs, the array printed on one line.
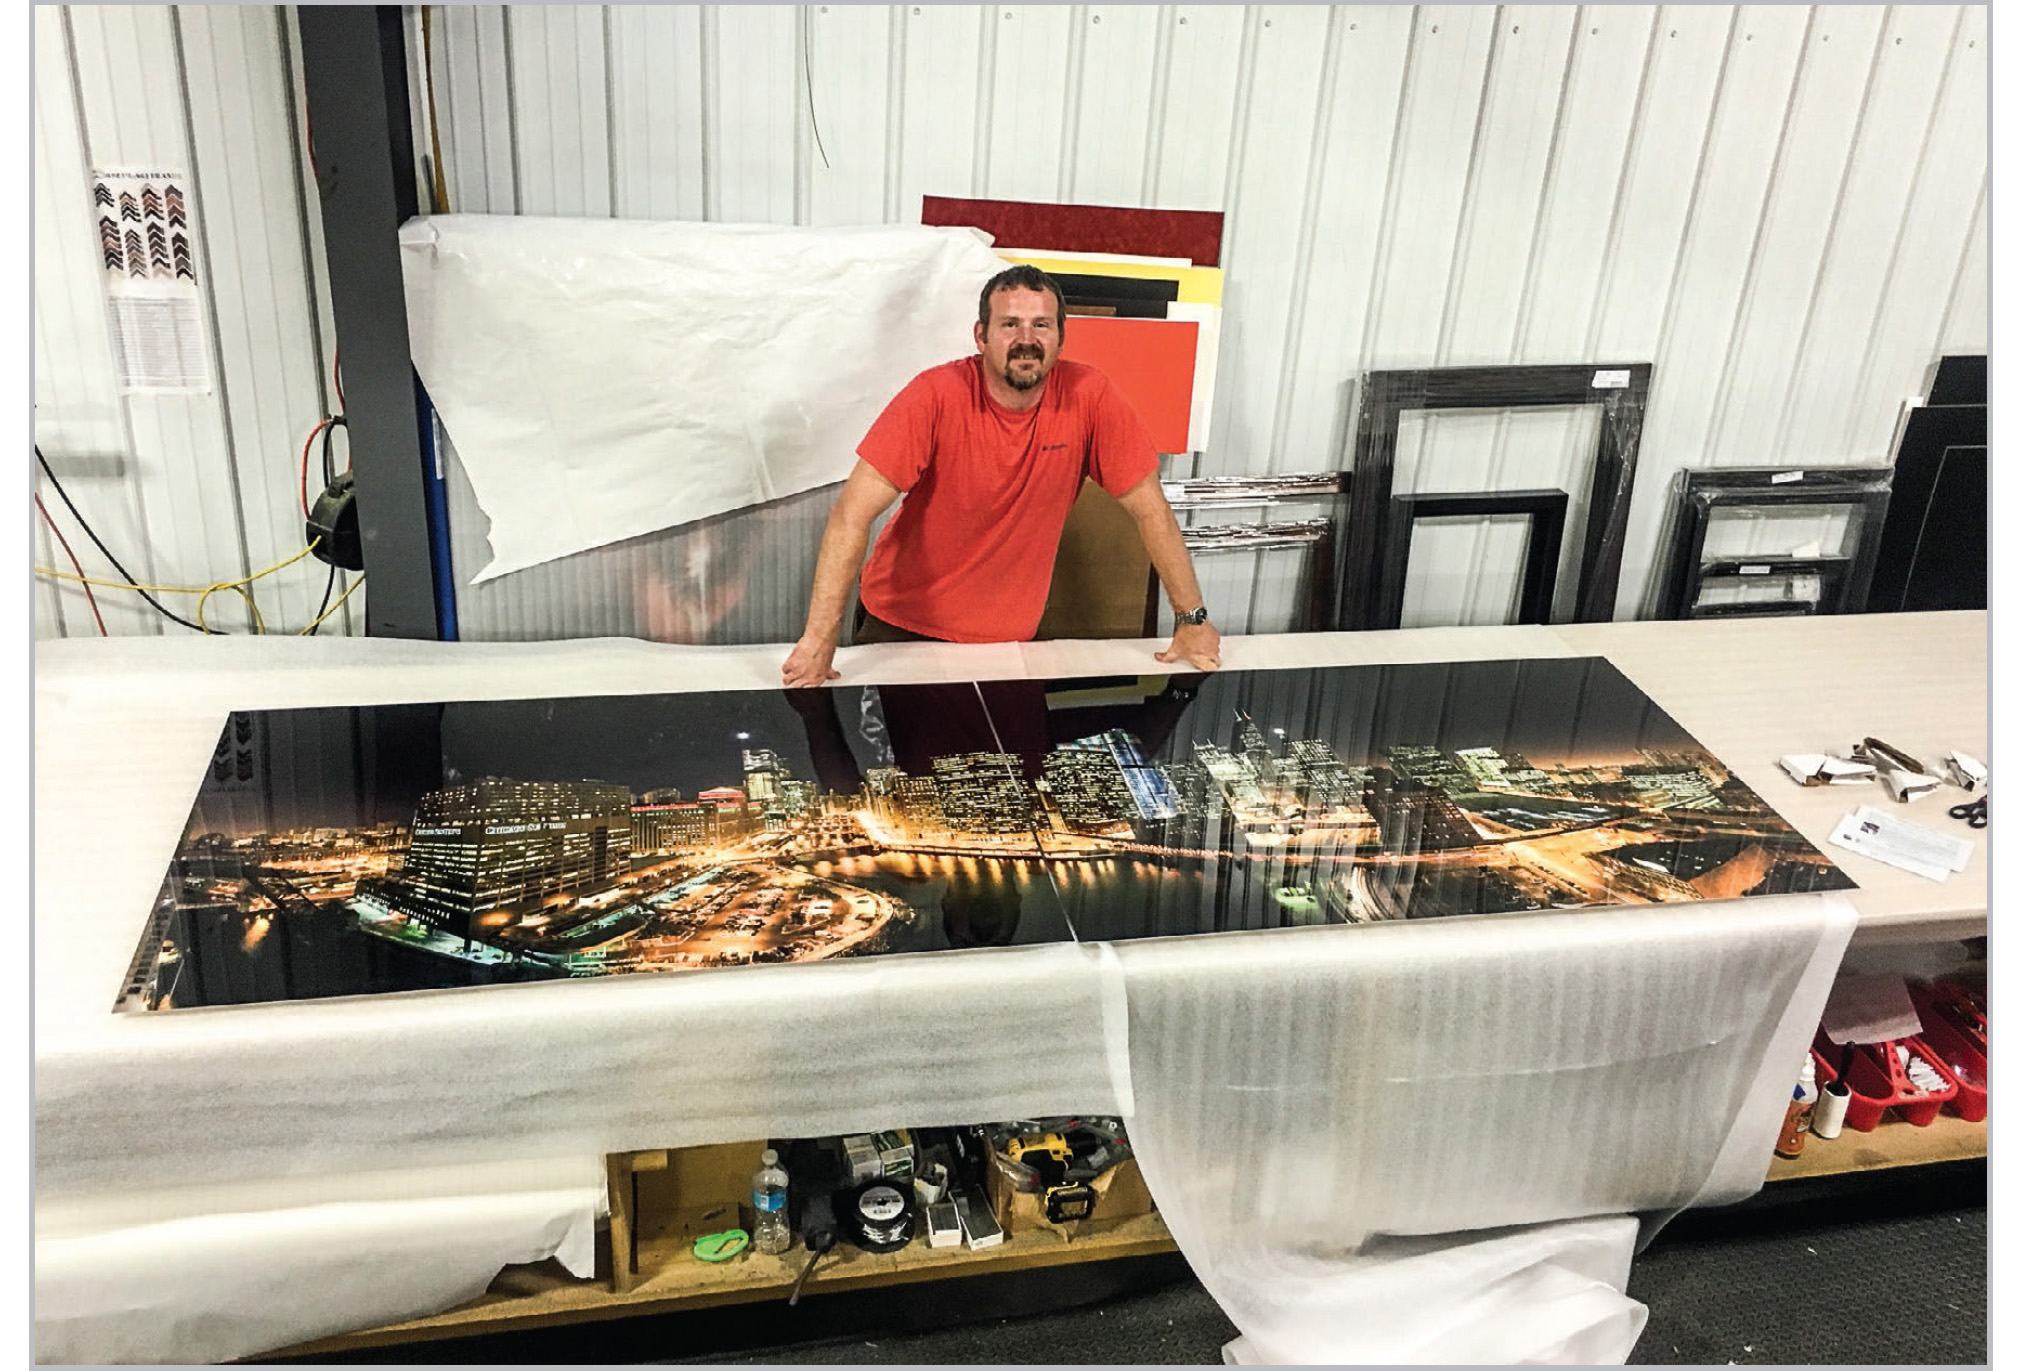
[[1876, 1082], [1956, 1029]]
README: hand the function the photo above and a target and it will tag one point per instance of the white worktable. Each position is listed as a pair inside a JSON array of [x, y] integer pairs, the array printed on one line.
[[333, 1107]]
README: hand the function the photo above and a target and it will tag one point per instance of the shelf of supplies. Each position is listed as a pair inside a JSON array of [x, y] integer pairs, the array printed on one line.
[[672, 1280], [1894, 1143]]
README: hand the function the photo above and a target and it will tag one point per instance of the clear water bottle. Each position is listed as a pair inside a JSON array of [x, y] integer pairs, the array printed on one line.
[[770, 1232]]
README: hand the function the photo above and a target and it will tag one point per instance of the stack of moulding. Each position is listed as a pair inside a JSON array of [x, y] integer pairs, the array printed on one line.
[[1145, 287]]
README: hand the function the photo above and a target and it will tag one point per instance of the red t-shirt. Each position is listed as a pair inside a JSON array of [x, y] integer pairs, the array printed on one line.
[[969, 555]]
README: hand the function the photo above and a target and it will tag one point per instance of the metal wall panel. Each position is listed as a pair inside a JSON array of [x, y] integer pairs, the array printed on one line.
[[185, 488]]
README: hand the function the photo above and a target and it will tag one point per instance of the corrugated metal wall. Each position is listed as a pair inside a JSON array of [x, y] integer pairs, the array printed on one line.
[[1782, 208], [197, 488]]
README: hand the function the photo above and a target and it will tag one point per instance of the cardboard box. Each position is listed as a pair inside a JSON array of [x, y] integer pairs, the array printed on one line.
[[1120, 1195]]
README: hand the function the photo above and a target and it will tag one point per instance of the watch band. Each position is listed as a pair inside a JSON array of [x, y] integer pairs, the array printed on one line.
[[1196, 615]]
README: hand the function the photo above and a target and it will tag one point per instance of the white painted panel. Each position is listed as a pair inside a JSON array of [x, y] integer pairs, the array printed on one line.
[[560, 108], [1288, 46], [940, 102], [1025, 120], [1800, 216], [1870, 218], [1329, 325], [474, 105], [1966, 328], [1438, 123], [1665, 165], [1110, 124], [1196, 123], [1464, 571], [1583, 218], [132, 88], [850, 59], [1507, 168], [1945, 205], [657, 111], [260, 290], [79, 420], [752, 77]]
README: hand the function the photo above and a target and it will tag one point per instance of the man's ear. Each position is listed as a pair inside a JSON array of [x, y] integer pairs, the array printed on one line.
[[976, 332]]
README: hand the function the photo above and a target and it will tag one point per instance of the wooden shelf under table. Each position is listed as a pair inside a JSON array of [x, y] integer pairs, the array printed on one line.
[[1893, 1143], [672, 1280]]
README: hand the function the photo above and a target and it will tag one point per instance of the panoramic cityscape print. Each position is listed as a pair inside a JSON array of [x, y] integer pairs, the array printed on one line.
[[386, 848]]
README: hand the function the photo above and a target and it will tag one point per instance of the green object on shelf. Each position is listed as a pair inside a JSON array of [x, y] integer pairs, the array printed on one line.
[[721, 1247]]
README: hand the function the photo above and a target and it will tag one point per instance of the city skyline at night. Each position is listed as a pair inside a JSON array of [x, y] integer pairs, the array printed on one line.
[[527, 840]]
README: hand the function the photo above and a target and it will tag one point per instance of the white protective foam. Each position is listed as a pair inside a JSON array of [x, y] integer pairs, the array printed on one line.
[[606, 378], [1336, 1125]]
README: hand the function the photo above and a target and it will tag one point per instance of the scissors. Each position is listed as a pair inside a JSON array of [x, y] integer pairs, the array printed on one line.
[[1975, 812]]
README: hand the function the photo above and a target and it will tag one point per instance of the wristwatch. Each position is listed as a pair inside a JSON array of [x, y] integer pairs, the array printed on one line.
[[1196, 615]]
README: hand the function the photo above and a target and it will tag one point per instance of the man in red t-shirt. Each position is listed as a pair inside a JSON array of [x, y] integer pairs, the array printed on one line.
[[990, 452]]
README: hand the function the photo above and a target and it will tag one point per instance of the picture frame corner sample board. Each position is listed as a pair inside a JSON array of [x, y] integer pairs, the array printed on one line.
[[347, 851]]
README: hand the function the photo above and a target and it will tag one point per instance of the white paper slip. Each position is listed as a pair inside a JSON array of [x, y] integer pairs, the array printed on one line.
[[1911, 847]]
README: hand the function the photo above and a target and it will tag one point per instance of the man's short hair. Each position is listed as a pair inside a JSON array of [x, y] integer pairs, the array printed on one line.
[[1023, 277]]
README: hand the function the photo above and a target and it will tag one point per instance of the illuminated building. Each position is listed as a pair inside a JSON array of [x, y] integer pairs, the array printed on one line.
[[1430, 766], [983, 792], [721, 795], [915, 803], [1412, 816], [664, 795], [1322, 779], [1106, 778], [1250, 742], [658, 830], [1670, 787], [501, 843], [1088, 786], [763, 774]]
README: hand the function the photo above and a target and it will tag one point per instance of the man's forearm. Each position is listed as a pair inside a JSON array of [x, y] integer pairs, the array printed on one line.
[[1160, 532], [842, 550]]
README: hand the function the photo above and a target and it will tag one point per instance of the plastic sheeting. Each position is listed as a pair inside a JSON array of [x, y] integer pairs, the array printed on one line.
[[603, 379], [1323, 1114]]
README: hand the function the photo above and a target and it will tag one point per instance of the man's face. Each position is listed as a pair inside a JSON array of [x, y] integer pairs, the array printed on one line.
[[1024, 337]]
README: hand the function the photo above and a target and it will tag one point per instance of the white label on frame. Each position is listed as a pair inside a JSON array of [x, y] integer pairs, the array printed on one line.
[[1752, 571], [1610, 380], [1785, 478]]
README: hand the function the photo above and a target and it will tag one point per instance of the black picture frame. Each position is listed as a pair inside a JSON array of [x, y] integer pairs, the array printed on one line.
[[1699, 493], [1546, 510], [1831, 571], [1620, 390], [1934, 552]]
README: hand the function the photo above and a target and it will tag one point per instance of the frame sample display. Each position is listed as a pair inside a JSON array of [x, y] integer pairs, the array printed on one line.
[[1546, 510], [1618, 389], [1843, 580], [346, 851]]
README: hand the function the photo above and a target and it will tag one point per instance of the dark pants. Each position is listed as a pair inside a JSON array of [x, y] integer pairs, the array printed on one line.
[[929, 721]]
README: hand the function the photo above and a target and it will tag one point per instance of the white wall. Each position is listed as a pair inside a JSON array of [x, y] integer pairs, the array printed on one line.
[[1782, 208], [185, 489]]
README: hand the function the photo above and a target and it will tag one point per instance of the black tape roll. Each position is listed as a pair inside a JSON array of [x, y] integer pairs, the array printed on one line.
[[879, 1215]]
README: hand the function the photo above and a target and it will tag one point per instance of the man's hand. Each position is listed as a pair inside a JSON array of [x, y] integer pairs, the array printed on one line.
[[808, 664], [1197, 644]]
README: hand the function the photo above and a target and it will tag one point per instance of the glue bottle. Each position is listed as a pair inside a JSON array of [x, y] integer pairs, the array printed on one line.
[[770, 1233], [1798, 1115]]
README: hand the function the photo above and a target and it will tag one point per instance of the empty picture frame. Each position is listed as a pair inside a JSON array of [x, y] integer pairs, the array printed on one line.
[[1699, 494], [1546, 510], [1830, 573], [1618, 389]]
